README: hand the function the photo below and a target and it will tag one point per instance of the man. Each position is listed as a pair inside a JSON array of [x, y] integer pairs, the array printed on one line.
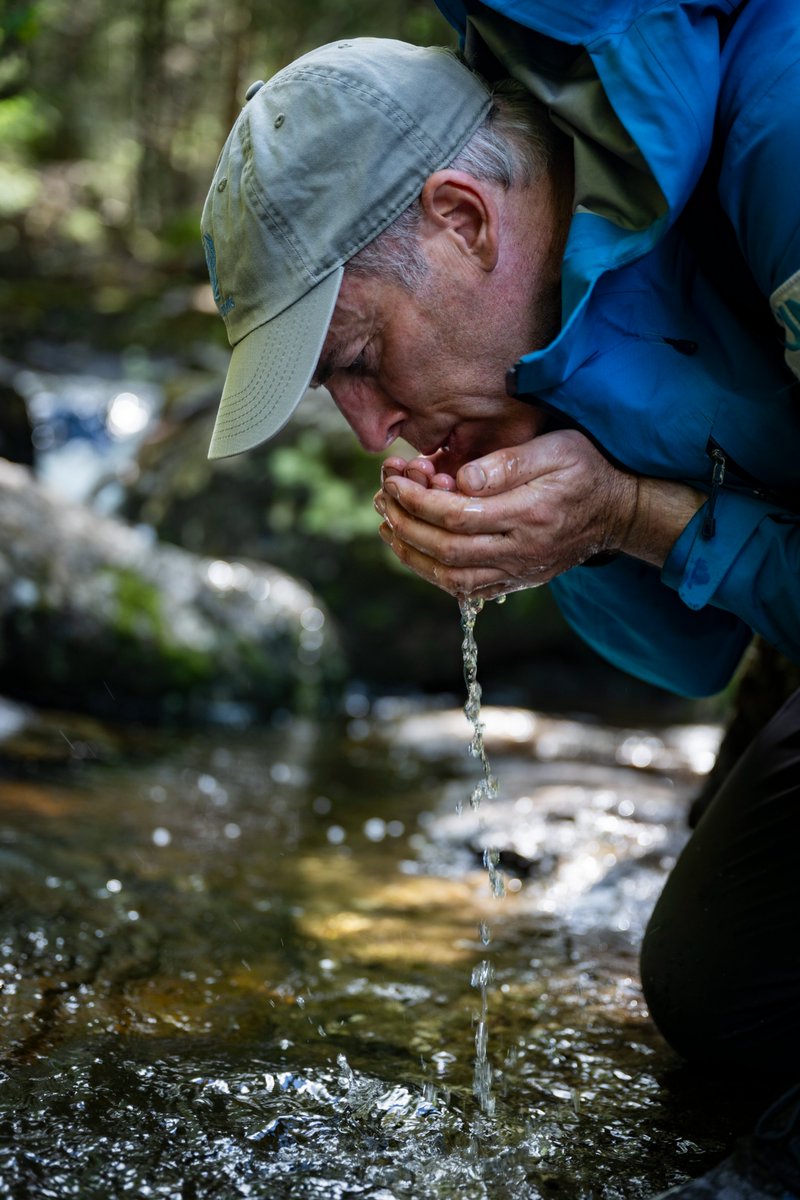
[[568, 293]]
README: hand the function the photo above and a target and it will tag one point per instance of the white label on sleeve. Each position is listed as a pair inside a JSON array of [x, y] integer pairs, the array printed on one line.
[[785, 302]]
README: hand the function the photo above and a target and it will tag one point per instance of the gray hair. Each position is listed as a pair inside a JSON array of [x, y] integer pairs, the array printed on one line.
[[514, 146]]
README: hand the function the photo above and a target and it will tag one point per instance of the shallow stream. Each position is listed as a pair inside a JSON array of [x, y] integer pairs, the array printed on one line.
[[239, 965]]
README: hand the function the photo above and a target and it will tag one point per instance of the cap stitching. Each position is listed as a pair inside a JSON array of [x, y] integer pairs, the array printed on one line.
[[408, 196], [256, 400], [277, 223], [389, 106], [248, 393], [313, 269]]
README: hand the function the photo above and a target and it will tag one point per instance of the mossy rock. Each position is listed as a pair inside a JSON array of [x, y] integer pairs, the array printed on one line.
[[99, 616]]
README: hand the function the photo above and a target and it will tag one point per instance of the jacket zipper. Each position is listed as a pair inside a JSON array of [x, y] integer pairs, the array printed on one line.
[[717, 479]]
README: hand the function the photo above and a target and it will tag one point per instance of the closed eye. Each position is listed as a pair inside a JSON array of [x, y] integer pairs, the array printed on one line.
[[358, 366], [328, 366]]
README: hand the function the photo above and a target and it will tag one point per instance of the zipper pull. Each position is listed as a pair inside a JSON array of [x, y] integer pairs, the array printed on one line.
[[717, 479]]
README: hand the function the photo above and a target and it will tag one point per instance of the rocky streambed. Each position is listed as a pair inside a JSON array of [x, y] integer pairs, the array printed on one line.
[[241, 964]]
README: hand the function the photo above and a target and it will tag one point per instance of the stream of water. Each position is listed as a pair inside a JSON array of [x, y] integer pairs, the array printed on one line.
[[486, 789]]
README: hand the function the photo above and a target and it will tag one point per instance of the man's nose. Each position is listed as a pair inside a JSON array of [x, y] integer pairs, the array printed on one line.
[[373, 416]]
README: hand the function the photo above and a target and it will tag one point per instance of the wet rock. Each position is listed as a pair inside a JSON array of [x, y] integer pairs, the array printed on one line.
[[98, 616], [35, 741], [588, 818], [434, 735]]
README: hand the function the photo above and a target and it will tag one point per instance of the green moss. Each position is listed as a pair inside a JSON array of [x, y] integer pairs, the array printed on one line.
[[140, 620], [138, 604]]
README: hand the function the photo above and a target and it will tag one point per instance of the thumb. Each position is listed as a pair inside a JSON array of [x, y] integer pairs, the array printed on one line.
[[513, 466], [497, 472]]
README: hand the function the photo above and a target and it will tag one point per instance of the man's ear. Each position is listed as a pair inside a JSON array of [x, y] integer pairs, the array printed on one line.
[[461, 212]]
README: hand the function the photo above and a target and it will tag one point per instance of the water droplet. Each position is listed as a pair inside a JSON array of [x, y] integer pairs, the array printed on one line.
[[375, 829], [312, 619]]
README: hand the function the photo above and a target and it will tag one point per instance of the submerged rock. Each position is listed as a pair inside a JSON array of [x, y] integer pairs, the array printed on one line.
[[97, 615]]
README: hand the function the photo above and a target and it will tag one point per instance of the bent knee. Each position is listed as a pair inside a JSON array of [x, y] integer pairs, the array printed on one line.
[[719, 1012]]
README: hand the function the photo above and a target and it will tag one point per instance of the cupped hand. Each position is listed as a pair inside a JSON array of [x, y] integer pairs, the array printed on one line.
[[513, 519], [421, 470]]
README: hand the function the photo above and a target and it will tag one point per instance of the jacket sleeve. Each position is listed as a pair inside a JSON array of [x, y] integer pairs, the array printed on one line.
[[628, 616], [760, 134], [686, 628], [750, 567]]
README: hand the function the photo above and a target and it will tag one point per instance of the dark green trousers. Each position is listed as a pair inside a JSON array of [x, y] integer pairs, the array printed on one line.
[[721, 955]]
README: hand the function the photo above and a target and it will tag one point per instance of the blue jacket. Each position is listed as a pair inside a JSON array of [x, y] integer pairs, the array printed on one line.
[[687, 222]]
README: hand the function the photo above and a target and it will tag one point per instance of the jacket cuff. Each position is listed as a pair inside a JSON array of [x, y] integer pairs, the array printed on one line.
[[697, 565]]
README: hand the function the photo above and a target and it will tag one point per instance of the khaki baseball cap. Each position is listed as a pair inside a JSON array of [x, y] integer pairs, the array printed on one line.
[[322, 158]]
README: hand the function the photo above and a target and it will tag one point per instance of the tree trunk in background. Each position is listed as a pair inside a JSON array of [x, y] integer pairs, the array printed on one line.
[[150, 100], [235, 28]]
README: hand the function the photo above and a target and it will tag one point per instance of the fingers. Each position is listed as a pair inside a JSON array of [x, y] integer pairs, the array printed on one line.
[[518, 517], [480, 581], [457, 560], [392, 467], [513, 466], [513, 518], [421, 470], [438, 507], [443, 559]]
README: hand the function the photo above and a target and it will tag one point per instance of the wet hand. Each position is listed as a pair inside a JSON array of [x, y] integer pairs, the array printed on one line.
[[513, 519], [421, 470]]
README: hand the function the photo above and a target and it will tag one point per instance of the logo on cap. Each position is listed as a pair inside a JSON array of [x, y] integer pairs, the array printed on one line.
[[228, 303]]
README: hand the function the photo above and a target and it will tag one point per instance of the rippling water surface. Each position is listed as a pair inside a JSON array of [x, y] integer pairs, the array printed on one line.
[[239, 964]]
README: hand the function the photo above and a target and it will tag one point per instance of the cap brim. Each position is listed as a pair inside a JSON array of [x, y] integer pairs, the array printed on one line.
[[271, 369]]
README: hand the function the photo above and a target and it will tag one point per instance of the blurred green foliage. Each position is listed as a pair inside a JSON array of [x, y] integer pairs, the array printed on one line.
[[112, 116], [316, 497]]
